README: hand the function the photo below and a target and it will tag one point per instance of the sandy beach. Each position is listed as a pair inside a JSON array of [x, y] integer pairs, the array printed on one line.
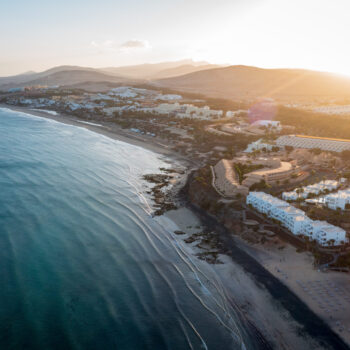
[[251, 299], [248, 297], [326, 293]]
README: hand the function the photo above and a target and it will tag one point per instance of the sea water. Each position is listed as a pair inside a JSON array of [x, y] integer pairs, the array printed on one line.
[[83, 264]]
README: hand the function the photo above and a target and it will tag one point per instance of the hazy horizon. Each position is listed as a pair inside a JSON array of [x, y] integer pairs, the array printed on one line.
[[267, 34], [30, 71]]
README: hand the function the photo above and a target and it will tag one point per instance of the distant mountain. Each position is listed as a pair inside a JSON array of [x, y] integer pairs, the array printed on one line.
[[158, 70], [16, 79], [79, 75], [28, 72], [63, 75], [23, 79], [182, 70], [233, 82], [248, 83]]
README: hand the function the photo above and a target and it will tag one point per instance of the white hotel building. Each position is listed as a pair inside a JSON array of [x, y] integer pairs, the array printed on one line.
[[323, 143], [338, 200], [295, 219], [315, 189]]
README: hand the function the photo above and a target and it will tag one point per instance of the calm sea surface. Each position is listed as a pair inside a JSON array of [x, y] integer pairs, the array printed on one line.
[[83, 265]]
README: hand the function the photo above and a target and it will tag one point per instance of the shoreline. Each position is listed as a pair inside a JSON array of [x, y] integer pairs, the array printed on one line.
[[257, 313], [117, 133], [275, 299]]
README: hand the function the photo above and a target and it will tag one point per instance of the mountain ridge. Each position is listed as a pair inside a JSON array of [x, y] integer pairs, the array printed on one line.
[[71, 76], [247, 83], [124, 73]]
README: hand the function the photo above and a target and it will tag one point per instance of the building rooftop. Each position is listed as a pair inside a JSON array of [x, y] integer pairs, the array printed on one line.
[[284, 166], [321, 138]]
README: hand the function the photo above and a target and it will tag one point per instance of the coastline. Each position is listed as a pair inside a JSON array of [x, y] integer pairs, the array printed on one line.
[[279, 313], [115, 133], [255, 303]]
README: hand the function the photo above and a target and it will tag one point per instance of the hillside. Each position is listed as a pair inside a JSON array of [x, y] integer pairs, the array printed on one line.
[[60, 76], [22, 79], [158, 70], [182, 70], [249, 83], [72, 75]]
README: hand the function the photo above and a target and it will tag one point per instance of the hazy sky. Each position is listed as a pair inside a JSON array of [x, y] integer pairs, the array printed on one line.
[[39, 34]]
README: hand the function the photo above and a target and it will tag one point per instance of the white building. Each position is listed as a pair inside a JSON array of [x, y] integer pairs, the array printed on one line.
[[231, 114], [168, 97], [290, 196], [338, 200], [259, 145], [325, 144], [296, 221], [315, 189], [124, 92], [165, 108], [186, 111], [270, 124], [323, 232]]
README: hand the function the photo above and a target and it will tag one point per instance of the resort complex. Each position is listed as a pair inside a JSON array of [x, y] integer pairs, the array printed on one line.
[[296, 221], [311, 190], [175, 175], [336, 201], [273, 171], [230, 179], [127, 99]]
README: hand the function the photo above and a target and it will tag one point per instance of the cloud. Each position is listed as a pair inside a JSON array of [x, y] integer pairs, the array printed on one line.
[[135, 44], [110, 46]]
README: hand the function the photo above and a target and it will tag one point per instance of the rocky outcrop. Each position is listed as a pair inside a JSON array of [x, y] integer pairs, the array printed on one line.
[[201, 194]]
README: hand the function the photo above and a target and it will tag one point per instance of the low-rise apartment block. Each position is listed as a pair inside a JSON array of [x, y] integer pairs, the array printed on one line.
[[259, 145], [315, 189], [339, 200], [296, 221]]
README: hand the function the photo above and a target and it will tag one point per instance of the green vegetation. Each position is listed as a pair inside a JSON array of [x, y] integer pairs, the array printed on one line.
[[242, 169], [259, 186]]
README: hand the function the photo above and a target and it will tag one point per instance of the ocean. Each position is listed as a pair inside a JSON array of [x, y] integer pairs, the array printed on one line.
[[83, 264]]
